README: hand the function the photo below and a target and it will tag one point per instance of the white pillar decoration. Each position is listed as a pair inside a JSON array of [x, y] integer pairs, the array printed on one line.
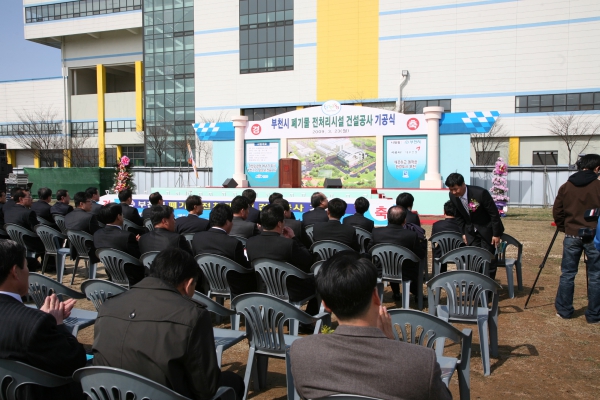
[[239, 123], [433, 179]]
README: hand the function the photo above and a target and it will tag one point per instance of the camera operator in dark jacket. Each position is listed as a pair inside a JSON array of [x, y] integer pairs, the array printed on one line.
[[581, 192]]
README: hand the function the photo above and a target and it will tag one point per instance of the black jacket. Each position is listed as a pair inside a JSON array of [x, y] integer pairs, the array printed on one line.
[[132, 214], [396, 234], [190, 224], [80, 220], [311, 217], [253, 215], [42, 209], [61, 208], [161, 239], [96, 207], [335, 230], [19, 215], [412, 218], [484, 221], [113, 237], [445, 225], [359, 220], [243, 228]]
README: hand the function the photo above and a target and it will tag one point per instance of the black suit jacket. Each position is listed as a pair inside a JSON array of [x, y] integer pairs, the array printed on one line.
[[413, 218], [190, 224], [359, 220], [80, 220], [61, 208], [132, 214], [216, 241], [146, 213], [396, 234], [96, 207], [33, 337], [445, 225], [335, 230], [485, 221], [295, 225], [161, 239], [42, 209], [19, 215], [243, 228], [113, 237], [311, 217], [253, 215]]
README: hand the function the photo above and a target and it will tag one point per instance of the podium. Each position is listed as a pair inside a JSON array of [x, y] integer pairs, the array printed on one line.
[[290, 173]]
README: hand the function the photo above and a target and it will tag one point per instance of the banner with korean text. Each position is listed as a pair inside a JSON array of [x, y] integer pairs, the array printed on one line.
[[405, 161], [262, 163]]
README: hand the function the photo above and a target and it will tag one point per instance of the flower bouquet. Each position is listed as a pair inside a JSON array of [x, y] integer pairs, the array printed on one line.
[[123, 175], [499, 188]]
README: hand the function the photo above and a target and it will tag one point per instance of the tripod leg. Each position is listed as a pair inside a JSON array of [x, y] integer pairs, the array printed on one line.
[[542, 265]]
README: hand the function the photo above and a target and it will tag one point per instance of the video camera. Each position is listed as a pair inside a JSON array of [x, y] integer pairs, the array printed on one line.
[[590, 215]]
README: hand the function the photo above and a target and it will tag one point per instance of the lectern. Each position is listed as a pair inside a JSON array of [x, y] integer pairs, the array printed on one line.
[[290, 173]]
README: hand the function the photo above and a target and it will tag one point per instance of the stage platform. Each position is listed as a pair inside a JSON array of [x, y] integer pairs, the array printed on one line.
[[427, 201]]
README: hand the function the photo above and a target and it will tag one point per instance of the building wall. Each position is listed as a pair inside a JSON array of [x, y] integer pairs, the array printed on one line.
[[112, 47], [120, 105], [31, 96], [84, 107]]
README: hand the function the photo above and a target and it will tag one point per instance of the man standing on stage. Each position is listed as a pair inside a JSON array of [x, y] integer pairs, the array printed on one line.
[[581, 192], [477, 216]]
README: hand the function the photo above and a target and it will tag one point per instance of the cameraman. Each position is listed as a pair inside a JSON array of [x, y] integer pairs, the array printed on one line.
[[579, 193]]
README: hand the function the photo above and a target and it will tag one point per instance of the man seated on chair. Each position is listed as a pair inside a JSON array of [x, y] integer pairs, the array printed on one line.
[[241, 227], [20, 214], [253, 213], [62, 206], [448, 224], [217, 241], [36, 337], [42, 207], [318, 201], [407, 201], [131, 213], [358, 220], [334, 229], [155, 199], [163, 236], [278, 242], [95, 196], [112, 236], [363, 356], [156, 330], [394, 233], [192, 223], [81, 219], [296, 225]]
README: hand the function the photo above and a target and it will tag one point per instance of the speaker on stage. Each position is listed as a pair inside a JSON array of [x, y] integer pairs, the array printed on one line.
[[230, 183], [332, 183]]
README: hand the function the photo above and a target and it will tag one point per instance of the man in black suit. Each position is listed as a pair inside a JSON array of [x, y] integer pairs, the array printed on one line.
[[288, 221], [130, 213], [276, 196], [192, 223], [318, 201], [253, 213], [163, 236], [241, 227], [62, 205], [21, 215], [448, 224], [81, 219], [477, 216], [155, 199], [112, 236], [407, 200], [395, 233], [361, 205], [36, 337], [216, 241], [278, 242], [95, 196], [42, 206], [333, 229]]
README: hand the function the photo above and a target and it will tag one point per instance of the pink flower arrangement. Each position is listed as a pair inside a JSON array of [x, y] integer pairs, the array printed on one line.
[[499, 188], [123, 175], [125, 161]]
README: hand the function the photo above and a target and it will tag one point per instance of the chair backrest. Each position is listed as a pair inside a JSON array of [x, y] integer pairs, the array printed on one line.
[[511, 241], [18, 233], [316, 267], [189, 237], [106, 383], [241, 239], [464, 290], [131, 226], [214, 268], [50, 237], [148, 258], [41, 286], [469, 258], [212, 305], [327, 248], [309, 232], [98, 290], [14, 374], [364, 237], [274, 275], [60, 221], [44, 221], [447, 241], [114, 261], [148, 224], [265, 316], [391, 257], [80, 240]]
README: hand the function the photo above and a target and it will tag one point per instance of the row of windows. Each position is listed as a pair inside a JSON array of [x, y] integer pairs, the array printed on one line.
[[135, 153], [84, 128], [76, 9], [158, 5], [258, 114], [557, 102], [160, 114], [169, 100], [168, 43], [121, 126], [15, 129], [416, 107], [539, 157], [79, 157], [249, 7]]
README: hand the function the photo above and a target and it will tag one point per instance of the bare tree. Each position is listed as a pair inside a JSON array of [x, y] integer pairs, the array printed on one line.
[[204, 148], [81, 154], [157, 139], [575, 130], [487, 144], [41, 134]]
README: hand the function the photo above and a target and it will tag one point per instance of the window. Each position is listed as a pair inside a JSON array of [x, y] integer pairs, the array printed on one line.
[[76, 9], [52, 158], [384, 105], [36, 127], [558, 102], [135, 153], [266, 35], [416, 107], [120, 126], [258, 114], [84, 128], [545, 158], [486, 157]]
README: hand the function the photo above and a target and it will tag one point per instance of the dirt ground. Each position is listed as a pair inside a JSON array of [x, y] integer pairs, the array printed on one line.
[[541, 356]]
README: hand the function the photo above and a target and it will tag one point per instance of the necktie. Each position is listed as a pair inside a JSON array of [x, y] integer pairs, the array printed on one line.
[[465, 204]]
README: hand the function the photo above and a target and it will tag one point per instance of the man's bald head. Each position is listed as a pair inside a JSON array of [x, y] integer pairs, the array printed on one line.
[[396, 215]]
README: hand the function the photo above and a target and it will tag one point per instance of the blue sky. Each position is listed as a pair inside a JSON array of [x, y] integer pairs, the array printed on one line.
[[22, 59]]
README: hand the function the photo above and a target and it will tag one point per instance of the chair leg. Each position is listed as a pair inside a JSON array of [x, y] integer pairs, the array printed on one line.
[[293, 327], [519, 275], [60, 267], [45, 262], [482, 325], [493, 331], [235, 322], [250, 366], [380, 290], [92, 270], [219, 355], [291, 389], [464, 384], [405, 294], [262, 366], [74, 270], [439, 346], [423, 264], [509, 281]]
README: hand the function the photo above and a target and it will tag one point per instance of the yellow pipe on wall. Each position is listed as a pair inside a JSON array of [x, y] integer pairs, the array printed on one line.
[[101, 83], [139, 96], [514, 144]]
